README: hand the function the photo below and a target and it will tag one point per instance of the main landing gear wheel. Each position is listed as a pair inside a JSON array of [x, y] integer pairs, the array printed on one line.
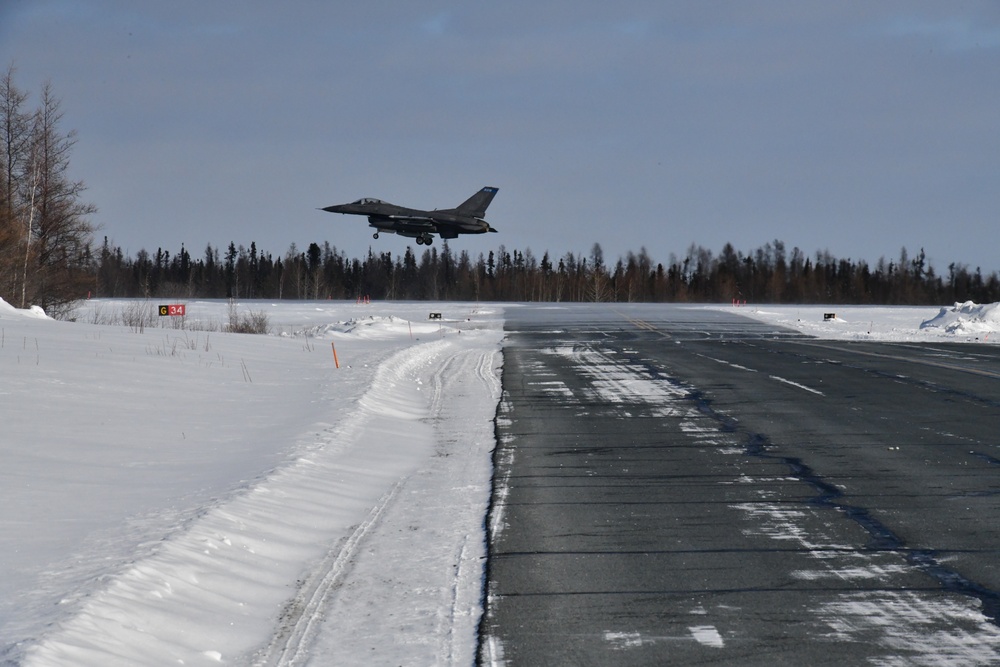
[[375, 236], [425, 239]]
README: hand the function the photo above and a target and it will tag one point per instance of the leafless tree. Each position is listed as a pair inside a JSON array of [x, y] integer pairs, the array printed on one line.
[[15, 142], [58, 235]]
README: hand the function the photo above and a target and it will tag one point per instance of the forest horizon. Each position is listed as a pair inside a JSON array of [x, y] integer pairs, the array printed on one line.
[[767, 274]]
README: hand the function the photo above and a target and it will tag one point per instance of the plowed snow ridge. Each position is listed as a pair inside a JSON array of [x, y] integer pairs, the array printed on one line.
[[211, 593]]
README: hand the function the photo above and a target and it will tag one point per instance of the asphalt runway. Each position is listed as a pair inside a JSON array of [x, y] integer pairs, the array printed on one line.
[[685, 486]]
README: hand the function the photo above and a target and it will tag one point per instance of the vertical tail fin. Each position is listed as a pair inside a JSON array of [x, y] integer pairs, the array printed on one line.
[[476, 204]]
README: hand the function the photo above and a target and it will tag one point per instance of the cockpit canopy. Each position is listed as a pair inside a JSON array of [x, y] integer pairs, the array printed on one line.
[[369, 200]]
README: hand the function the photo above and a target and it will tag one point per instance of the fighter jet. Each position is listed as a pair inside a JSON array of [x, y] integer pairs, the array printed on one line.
[[447, 223]]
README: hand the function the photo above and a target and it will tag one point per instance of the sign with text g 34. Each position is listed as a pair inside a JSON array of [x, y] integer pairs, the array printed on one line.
[[172, 310]]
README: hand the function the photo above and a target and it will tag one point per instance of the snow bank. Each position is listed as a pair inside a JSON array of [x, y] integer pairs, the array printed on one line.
[[375, 327], [964, 319], [9, 311]]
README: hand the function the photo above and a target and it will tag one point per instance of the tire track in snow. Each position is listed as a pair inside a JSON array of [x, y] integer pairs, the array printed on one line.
[[299, 620], [302, 618], [431, 575], [484, 364]]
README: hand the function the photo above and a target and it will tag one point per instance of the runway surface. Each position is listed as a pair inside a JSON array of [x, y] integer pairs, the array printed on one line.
[[685, 486]]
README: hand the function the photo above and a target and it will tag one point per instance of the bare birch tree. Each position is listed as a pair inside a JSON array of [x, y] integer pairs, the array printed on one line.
[[53, 262]]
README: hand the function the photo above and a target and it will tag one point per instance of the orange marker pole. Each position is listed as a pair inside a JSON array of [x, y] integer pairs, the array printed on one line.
[[334, 348]]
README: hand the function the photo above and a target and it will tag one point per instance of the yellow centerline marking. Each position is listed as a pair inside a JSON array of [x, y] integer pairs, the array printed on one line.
[[642, 324]]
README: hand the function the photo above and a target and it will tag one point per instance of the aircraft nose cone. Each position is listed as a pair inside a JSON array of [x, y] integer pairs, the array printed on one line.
[[331, 209]]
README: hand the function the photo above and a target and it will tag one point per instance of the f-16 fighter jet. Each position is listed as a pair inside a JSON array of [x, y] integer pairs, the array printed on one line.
[[447, 223]]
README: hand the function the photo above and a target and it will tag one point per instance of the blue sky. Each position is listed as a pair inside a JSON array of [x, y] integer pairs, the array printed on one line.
[[853, 127]]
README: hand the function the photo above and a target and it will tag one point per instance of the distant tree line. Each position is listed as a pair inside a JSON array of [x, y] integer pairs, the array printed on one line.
[[769, 274], [45, 234]]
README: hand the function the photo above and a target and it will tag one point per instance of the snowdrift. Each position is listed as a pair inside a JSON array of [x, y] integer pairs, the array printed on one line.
[[10, 312], [965, 319]]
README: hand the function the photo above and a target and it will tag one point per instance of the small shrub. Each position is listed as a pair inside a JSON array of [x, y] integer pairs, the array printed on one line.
[[138, 315], [251, 322]]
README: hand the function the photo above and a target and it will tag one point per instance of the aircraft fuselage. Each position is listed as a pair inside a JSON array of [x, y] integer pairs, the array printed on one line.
[[467, 218]]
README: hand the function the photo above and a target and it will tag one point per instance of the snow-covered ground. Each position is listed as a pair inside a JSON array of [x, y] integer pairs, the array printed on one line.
[[961, 322], [177, 496], [173, 494]]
